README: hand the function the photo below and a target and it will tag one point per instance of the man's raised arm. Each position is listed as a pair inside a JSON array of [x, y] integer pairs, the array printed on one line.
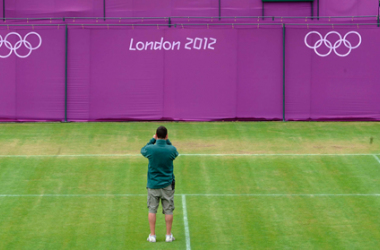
[[175, 152], [144, 150]]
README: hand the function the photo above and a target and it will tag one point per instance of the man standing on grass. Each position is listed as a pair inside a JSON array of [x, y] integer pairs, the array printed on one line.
[[161, 183]]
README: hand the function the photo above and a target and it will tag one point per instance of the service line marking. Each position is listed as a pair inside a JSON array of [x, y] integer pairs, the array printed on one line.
[[184, 195], [186, 223], [134, 155], [276, 154], [77, 155]]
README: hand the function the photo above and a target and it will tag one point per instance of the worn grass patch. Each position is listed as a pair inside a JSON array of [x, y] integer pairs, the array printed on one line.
[[197, 137]]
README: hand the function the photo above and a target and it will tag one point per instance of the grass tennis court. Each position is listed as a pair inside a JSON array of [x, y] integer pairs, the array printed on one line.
[[264, 185]]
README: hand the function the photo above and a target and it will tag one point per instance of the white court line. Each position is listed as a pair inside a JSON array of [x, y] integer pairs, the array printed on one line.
[[126, 155], [71, 195], [276, 154], [284, 195], [186, 223], [183, 195], [78, 155], [377, 158]]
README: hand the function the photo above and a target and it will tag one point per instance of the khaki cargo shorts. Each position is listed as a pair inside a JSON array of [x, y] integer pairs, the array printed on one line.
[[166, 195]]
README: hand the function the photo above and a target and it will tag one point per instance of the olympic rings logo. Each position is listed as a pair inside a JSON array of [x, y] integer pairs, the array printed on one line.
[[330, 46], [18, 44]]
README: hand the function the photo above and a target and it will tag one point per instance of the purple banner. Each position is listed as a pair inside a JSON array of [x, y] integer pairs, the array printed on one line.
[[187, 8], [175, 74], [166, 8], [327, 8], [162, 8], [138, 8], [189, 73], [108, 81], [349, 8], [32, 74], [227, 82], [332, 74], [53, 8], [260, 74]]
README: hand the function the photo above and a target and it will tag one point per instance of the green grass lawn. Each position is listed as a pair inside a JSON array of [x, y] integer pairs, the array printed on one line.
[[232, 202]]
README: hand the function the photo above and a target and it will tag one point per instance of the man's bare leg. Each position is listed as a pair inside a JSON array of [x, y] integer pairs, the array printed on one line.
[[152, 223], [169, 223]]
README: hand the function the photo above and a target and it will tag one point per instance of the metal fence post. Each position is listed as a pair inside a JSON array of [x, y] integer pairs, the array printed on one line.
[[318, 9], [220, 9], [104, 9], [3, 10], [283, 72], [312, 10], [66, 42]]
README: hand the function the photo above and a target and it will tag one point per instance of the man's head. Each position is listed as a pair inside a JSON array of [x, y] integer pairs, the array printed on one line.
[[161, 132]]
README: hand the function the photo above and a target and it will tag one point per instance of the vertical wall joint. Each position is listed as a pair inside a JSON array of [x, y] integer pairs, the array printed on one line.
[[283, 73]]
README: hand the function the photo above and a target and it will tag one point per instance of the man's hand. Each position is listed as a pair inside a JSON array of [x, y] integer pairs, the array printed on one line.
[[155, 136]]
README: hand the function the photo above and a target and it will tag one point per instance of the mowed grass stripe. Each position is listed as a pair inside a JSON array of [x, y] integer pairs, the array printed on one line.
[[284, 223], [240, 222], [96, 223], [278, 175], [215, 175]]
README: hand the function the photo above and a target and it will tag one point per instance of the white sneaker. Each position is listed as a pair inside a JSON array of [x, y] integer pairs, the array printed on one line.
[[169, 238], [151, 238]]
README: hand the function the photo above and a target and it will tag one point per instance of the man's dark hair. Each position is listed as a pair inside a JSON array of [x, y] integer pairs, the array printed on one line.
[[161, 132]]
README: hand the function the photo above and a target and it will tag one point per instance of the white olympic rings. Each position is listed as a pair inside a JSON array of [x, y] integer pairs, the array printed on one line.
[[18, 44], [330, 46]]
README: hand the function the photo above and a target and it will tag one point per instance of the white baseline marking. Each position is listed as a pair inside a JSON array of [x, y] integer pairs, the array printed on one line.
[[377, 158], [183, 195], [186, 223], [127, 155]]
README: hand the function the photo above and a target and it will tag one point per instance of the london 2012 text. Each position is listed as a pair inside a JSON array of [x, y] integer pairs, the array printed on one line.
[[197, 43]]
